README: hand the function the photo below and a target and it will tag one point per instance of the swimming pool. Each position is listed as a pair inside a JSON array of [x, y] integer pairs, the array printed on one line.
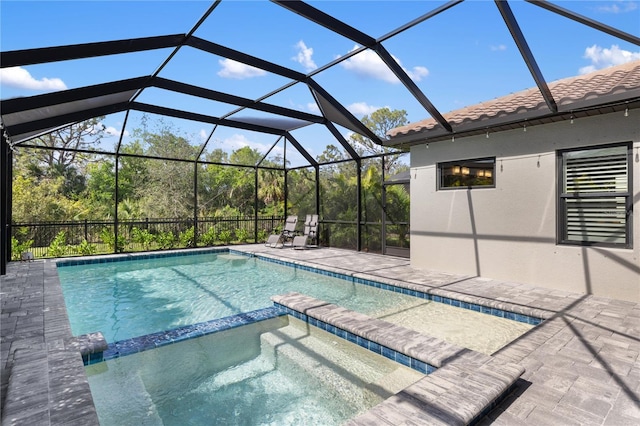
[[126, 299], [278, 372]]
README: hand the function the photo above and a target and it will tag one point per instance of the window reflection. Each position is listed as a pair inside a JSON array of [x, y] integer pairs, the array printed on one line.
[[467, 173]]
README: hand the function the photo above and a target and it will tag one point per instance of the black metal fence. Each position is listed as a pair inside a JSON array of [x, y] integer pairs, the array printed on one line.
[[86, 237], [55, 239]]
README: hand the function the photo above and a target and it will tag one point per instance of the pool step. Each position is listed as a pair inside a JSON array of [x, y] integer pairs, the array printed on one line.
[[348, 371], [127, 401]]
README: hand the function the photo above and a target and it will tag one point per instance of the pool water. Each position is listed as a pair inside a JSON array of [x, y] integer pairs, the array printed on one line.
[[134, 298], [275, 372]]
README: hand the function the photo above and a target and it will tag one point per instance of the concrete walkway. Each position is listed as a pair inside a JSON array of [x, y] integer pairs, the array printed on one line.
[[582, 364]]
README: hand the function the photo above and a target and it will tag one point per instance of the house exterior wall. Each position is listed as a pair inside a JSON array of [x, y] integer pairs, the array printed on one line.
[[509, 232]]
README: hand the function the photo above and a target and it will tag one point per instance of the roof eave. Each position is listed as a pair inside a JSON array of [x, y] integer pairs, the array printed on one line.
[[597, 105]]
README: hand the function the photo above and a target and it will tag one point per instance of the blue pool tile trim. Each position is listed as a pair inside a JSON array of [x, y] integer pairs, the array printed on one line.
[[527, 319], [163, 338], [415, 293], [136, 256], [476, 420], [389, 353]]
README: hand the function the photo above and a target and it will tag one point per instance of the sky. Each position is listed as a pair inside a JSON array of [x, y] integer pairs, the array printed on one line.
[[460, 57]]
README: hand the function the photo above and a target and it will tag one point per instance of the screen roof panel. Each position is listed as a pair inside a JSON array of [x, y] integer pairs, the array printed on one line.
[[261, 58]]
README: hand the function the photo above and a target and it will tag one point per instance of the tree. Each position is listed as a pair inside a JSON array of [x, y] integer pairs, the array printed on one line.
[[68, 142], [163, 188], [226, 188], [40, 201], [380, 122]]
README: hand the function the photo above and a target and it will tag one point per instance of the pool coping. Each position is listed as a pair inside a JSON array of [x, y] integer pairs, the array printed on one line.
[[49, 389], [502, 309], [470, 383]]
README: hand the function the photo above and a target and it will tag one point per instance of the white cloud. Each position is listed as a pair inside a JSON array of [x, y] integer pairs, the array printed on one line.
[[498, 48], [360, 109], [21, 78], [237, 141], [602, 57], [313, 107], [368, 64], [417, 73], [304, 56], [203, 134], [112, 131], [238, 70], [619, 6]]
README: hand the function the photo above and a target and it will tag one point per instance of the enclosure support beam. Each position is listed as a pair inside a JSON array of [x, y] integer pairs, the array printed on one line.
[[255, 204], [359, 205], [317, 170], [195, 203], [587, 21], [527, 55], [383, 197], [115, 210], [5, 178]]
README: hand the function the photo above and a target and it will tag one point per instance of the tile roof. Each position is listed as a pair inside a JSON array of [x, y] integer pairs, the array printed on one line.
[[609, 85]]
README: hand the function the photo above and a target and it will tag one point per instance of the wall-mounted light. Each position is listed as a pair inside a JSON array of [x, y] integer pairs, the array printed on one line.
[[480, 173], [488, 173], [465, 170], [455, 170], [426, 145], [626, 112], [571, 119], [453, 138], [487, 134], [525, 127]]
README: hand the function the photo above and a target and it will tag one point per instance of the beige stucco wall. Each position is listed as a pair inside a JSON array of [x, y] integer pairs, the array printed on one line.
[[509, 232]]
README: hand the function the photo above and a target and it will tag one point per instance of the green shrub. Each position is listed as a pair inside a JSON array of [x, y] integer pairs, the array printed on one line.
[[242, 235], [109, 239], [187, 238], [209, 237], [17, 248], [166, 240], [58, 246], [142, 236], [225, 236], [86, 249], [262, 235]]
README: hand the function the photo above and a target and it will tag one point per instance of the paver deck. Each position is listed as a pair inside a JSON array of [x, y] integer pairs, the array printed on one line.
[[582, 364]]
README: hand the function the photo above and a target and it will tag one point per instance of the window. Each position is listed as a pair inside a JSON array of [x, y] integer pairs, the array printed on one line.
[[467, 174], [595, 202]]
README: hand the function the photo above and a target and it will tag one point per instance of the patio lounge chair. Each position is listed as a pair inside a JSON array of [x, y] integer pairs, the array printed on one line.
[[309, 238], [287, 234]]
